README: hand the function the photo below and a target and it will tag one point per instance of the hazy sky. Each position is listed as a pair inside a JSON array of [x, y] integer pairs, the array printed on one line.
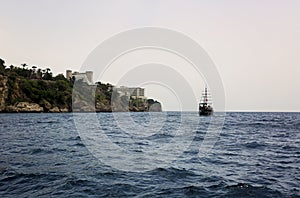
[[255, 44]]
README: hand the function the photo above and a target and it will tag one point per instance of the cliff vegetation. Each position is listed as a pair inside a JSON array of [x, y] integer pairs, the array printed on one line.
[[33, 89]]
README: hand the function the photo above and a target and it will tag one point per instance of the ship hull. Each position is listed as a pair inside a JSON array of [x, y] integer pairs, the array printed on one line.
[[205, 111]]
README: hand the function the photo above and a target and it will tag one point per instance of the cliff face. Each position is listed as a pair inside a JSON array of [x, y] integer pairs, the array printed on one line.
[[156, 107], [32, 95], [3, 92], [24, 89], [101, 98], [25, 95]]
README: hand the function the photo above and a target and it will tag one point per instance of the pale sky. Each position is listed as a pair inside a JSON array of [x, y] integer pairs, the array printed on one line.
[[254, 44]]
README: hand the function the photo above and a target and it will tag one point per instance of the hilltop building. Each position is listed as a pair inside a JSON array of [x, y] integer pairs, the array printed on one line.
[[86, 77], [134, 92]]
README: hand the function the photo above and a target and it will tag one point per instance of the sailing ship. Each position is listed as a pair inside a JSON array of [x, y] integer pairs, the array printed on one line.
[[205, 105]]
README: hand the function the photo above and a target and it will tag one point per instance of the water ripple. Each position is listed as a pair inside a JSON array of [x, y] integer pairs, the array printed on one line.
[[256, 155]]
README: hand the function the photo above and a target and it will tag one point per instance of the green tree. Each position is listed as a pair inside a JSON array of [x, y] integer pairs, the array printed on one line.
[[60, 77], [48, 74], [2, 62], [39, 73], [2, 66], [24, 65]]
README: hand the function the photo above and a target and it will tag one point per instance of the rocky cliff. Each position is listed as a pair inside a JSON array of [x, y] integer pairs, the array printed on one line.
[[3, 92], [24, 95], [19, 95], [36, 90]]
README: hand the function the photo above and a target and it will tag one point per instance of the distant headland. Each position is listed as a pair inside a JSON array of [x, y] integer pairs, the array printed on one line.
[[25, 89]]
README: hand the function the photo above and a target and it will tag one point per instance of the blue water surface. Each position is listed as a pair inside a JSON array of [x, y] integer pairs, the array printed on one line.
[[256, 155]]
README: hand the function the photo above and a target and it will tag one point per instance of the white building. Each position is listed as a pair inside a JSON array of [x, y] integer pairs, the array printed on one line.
[[86, 77], [134, 92]]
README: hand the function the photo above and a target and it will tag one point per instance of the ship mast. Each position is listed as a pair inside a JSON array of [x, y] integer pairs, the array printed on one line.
[[205, 98]]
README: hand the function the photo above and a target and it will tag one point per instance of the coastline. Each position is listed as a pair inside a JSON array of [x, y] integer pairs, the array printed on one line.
[[36, 90]]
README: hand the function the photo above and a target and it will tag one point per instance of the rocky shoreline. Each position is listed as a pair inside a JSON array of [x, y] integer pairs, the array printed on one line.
[[26, 107]]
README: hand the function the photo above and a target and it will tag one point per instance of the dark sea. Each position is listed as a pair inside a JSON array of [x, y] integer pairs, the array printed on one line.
[[50, 155]]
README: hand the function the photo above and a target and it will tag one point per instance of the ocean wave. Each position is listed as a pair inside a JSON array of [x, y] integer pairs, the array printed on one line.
[[256, 155], [255, 145], [247, 190]]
